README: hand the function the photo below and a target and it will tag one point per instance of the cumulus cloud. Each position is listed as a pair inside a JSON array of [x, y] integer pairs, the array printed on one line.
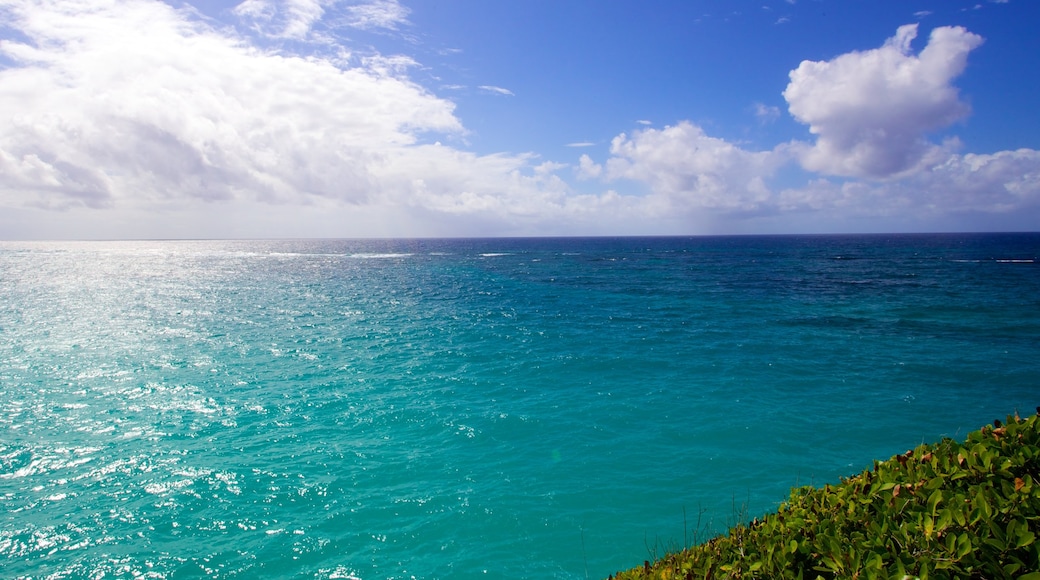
[[871, 110], [691, 169], [688, 172], [588, 169]]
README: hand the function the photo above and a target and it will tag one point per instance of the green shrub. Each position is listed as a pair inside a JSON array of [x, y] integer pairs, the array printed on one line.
[[948, 510]]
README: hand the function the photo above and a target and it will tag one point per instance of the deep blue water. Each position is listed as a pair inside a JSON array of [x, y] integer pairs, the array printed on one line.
[[555, 408]]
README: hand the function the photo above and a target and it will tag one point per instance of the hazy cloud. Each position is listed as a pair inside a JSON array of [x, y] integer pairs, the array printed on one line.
[[963, 191], [871, 110], [282, 18], [496, 90], [295, 19], [388, 14], [766, 113], [1005, 181]]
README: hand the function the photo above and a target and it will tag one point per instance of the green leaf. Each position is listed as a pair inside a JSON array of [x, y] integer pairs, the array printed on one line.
[[1013, 528], [933, 500], [959, 514], [945, 517], [963, 545]]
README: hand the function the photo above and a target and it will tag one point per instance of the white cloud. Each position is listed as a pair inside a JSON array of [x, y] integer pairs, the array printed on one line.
[[282, 18], [871, 110], [689, 173], [588, 169], [766, 113], [1000, 182], [691, 169], [296, 19], [1007, 182], [388, 14], [144, 112], [496, 90], [135, 116], [131, 102]]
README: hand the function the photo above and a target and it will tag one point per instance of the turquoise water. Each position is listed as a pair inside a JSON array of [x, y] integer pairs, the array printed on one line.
[[557, 408]]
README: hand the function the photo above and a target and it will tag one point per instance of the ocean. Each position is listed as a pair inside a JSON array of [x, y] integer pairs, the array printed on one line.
[[475, 408]]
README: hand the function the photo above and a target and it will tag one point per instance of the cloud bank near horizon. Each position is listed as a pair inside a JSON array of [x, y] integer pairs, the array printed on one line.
[[133, 109]]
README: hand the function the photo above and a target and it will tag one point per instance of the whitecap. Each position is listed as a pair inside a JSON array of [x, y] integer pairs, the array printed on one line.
[[341, 573], [167, 487], [374, 256]]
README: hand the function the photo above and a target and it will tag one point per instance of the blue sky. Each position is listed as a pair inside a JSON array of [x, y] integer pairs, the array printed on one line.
[[356, 118]]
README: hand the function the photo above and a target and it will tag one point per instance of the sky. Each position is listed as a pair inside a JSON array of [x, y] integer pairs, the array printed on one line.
[[124, 119]]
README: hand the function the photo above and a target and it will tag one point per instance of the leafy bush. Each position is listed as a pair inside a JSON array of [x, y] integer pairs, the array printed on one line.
[[948, 510]]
